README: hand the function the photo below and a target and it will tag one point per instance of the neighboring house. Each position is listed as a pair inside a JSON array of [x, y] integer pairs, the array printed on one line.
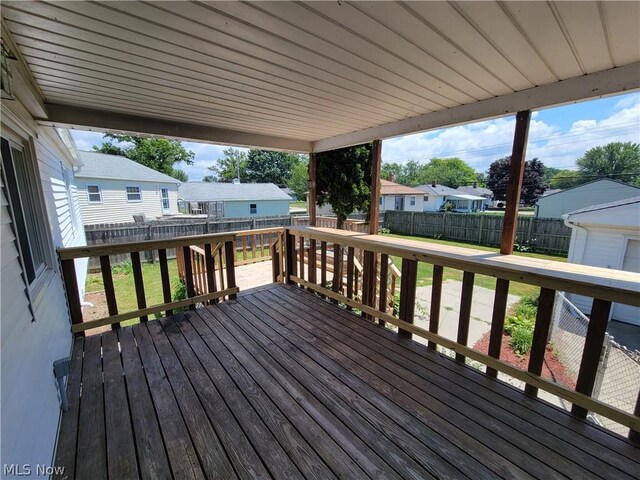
[[605, 190], [234, 200], [476, 191], [436, 196], [39, 213], [394, 196], [112, 189], [607, 235]]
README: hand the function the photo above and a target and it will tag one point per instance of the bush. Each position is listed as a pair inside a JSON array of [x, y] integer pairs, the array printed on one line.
[[125, 268], [179, 293], [521, 323], [384, 231], [525, 246], [521, 340]]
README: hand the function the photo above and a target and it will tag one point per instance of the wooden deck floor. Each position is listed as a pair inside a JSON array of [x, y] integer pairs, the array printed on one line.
[[281, 384]]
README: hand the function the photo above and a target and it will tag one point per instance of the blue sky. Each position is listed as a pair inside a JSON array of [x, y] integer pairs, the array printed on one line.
[[557, 136]]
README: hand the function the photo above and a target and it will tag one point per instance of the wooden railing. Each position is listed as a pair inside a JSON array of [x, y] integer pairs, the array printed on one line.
[[200, 277], [603, 285], [332, 222]]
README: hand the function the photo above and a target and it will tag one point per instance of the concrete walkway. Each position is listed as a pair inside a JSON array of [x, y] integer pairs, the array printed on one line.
[[481, 310]]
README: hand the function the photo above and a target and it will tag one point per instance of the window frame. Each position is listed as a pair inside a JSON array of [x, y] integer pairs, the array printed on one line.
[[412, 200], [253, 209], [94, 193], [126, 192], [45, 272]]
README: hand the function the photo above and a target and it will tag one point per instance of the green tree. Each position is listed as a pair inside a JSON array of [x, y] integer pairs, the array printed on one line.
[[157, 153], [267, 166], [394, 169], [451, 172], [343, 180], [617, 160], [232, 165], [567, 179], [299, 181], [532, 183]]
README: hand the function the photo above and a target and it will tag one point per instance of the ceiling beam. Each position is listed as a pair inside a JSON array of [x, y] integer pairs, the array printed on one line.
[[66, 116], [600, 84]]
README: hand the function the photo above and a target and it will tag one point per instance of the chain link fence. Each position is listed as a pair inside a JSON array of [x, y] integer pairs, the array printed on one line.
[[618, 379]]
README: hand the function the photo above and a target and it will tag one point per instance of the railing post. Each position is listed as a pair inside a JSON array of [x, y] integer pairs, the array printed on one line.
[[383, 304], [540, 335], [71, 286], [188, 274], [436, 299], [290, 255], [592, 350], [465, 311], [139, 283], [408, 283], [275, 262], [634, 435], [109, 291], [164, 275], [497, 322], [210, 270], [229, 247]]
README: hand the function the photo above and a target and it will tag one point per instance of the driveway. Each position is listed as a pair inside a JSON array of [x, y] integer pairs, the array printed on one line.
[[481, 310]]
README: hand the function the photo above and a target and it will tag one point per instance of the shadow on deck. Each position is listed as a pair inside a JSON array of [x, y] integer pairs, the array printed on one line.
[[280, 383]]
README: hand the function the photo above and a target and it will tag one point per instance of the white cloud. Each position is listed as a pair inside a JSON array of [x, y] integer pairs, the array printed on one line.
[[483, 142]]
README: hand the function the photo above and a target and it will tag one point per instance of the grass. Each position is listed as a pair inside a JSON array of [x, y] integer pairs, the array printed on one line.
[[125, 288], [425, 270], [299, 205]]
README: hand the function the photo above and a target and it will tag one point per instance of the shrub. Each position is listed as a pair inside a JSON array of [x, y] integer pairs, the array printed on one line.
[[124, 268], [384, 231], [521, 323], [521, 340], [179, 293], [525, 246]]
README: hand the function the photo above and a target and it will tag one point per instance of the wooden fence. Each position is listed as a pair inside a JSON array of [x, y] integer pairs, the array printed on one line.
[[549, 235], [109, 234]]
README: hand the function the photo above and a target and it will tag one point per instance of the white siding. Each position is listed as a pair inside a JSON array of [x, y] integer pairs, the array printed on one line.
[[434, 203], [602, 191], [389, 202], [30, 343], [116, 209], [601, 249]]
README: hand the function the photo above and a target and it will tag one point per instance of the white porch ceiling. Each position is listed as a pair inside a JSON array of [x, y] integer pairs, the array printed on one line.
[[291, 73]]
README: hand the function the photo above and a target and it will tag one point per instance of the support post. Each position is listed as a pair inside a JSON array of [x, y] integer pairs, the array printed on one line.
[[516, 172], [311, 195], [376, 162]]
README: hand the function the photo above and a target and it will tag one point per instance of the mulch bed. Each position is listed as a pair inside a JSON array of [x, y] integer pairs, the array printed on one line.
[[552, 368]]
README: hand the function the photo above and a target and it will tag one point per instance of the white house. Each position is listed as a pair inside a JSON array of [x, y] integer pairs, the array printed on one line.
[[477, 191], [607, 235], [394, 196], [436, 196], [234, 200], [112, 189], [597, 192], [39, 212]]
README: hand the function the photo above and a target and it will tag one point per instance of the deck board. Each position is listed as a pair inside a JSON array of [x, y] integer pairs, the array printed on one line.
[[282, 384]]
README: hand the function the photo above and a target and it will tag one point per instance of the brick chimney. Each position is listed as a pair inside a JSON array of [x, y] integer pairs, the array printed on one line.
[[475, 184], [433, 184], [392, 177]]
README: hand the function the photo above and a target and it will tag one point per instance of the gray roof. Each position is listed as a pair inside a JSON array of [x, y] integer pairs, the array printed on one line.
[[102, 165], [557, 192], [479, 191], [439, 190], [604, 206], [211, 191]]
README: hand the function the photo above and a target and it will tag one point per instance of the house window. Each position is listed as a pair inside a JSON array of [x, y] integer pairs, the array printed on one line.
[[27, 212], [134, 194], [381, 200], [253, 208], [426, 198], [412, 200], [94, 194]]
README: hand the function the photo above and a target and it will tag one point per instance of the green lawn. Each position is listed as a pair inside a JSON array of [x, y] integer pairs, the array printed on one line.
[[299, 204], [425, 270], [125, 288]]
